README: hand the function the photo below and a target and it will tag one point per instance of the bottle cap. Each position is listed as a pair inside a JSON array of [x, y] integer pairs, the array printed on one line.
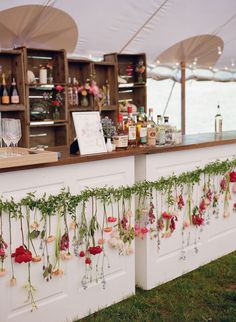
[[141, 109], [150, 109]]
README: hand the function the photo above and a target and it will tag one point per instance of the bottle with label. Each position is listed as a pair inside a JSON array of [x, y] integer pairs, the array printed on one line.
[[121, 138], [151, 129], [141, 127], [168, 130], [158, 126], [5, 94], [75, 93], [130, 124], [218, 121], [15, 99], [70, 92]]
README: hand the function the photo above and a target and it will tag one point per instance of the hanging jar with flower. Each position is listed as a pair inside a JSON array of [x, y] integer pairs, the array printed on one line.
[[57, 101], [84, 91]]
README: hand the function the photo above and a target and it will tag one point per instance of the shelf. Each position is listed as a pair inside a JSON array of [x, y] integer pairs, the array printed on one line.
[[80, 109], [131, 85], [12, 108], [49, 123], [107, 108]]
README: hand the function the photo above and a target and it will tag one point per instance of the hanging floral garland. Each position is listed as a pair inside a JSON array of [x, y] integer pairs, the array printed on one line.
[[192, 199]]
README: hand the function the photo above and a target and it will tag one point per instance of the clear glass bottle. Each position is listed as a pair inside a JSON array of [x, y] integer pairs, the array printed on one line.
[[151, 129], [141, 127], [159, 126], [131, 126], [218, 121], [70, 92], [75, 93], [168, 130]]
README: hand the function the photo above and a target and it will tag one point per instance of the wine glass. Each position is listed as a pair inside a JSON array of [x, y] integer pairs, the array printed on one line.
[[15, 126], [6, 132]]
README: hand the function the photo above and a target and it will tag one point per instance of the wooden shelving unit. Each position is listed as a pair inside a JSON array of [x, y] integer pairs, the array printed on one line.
[[42, 129], [101, 72], [133, 90], [39, 126], [12, 65]]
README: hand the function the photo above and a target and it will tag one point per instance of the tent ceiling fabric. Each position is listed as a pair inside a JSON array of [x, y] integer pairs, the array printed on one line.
[[37, 26], [199, 50], [149, 26]]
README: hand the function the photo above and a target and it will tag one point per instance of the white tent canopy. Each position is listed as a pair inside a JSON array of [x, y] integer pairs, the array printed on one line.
[[150, 26]]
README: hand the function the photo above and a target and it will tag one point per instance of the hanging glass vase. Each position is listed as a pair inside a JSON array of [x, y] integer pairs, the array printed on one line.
[[84, 101], [56, 114]]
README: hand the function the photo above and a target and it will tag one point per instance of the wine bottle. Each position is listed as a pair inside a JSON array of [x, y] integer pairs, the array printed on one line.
[[14, 93], [5, 94]]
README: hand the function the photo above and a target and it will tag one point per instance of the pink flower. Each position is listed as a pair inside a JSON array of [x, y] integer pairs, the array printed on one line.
[[59, 88]]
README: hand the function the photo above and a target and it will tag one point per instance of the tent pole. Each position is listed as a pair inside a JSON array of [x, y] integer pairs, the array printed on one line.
[[183, 96]]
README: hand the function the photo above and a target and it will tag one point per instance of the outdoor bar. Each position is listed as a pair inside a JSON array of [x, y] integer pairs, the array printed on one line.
[[117, 155]]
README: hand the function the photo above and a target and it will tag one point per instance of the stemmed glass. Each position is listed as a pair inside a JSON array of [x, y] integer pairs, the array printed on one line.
[[11, 132], [6, 132], [15, 126]]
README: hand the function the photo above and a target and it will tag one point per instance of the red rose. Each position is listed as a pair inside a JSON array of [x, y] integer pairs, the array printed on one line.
[[232, 176], [88, 261], [95, 250], [165, 215], [197, 220], [55, 103], [22, 254], [144, 230], [81, 254]]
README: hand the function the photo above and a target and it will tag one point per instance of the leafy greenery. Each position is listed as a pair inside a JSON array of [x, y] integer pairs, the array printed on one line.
[[206, 294], [50, 205]]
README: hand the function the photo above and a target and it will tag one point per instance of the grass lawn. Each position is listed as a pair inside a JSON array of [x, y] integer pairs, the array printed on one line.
[[206, 294]]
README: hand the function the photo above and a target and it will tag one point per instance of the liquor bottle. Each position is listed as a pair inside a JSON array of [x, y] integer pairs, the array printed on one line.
[[5, 95], [151, 129], [14, 93], [158, 126], [75, 93], [141, 127], [168, 130], [70, 92], [218, 121], [121, 137], [131, 126]]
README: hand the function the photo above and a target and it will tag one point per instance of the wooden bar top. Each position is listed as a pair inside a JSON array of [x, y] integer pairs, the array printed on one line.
[[194, 141]]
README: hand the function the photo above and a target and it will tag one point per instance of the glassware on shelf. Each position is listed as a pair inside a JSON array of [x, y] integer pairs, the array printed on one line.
[[11, 133]]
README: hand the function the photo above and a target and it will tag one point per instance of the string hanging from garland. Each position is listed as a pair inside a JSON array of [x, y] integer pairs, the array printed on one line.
[[56, 228]]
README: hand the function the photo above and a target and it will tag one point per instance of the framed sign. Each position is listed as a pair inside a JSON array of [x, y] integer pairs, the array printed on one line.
[[89, 132]]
